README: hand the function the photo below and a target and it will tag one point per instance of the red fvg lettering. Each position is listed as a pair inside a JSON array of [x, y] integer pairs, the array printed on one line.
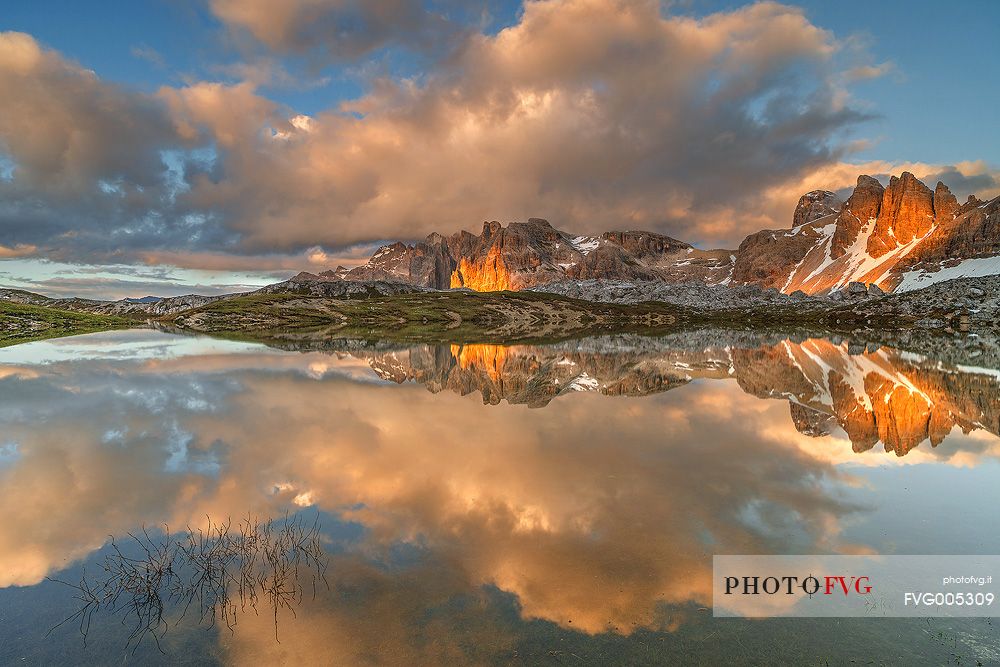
[[857, 584]]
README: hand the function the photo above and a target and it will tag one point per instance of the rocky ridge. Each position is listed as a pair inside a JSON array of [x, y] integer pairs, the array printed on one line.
[[526, 254], [898, 237]]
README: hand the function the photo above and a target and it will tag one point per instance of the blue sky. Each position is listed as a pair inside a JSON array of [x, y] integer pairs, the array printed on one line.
[[939, 103], [539, 118]]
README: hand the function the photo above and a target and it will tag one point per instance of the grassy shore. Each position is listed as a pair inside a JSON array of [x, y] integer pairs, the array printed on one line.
[[460, 317], [22, 323], [423, 317], [465, 317]]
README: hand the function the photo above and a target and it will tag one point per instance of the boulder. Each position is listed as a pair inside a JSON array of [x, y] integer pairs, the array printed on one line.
[[856, 289]]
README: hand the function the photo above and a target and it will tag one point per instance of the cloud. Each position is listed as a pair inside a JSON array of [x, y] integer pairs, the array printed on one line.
[[343, 29], [594, 113], [86, 172], [19, 250], [65, 129], [222, 261], [149, 54]]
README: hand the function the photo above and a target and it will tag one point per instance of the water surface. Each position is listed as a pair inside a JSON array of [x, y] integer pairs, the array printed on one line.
[[496, 504]]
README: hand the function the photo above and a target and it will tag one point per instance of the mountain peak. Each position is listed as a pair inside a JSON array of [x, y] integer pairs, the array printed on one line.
[[539, 222], [907, 213], [860, 209], [867, 182], [814, 205], [945, 203]]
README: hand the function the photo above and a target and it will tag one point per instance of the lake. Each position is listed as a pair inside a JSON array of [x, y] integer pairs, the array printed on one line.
[[480, 504]]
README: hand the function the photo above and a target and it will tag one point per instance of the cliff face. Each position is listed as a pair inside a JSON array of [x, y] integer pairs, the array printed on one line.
[[518, 256], [861, 209], [906, 214], [967, 244], [899, 236]]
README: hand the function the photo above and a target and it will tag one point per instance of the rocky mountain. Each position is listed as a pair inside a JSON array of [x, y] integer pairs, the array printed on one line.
[[532, 253], [898, 237]]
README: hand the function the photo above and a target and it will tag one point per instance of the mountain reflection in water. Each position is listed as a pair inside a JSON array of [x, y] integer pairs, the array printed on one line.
[[875, 394], [463, 524]]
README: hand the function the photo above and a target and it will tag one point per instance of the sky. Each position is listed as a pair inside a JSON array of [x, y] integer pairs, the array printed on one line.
[[211, 145]]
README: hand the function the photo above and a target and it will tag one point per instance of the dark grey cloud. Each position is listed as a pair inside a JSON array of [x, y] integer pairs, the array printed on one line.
[[347, 30], [972, 180]]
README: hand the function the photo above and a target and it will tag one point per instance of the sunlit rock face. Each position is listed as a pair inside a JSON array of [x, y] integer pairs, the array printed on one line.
[[972, 233], [878, 236], [861, 208], [485, 274], [815, 205], [529, 254], [768, 257], [907, 213], [875, 397]]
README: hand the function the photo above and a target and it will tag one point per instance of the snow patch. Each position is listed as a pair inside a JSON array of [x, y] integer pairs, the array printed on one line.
[[584, 244], [969, 268]]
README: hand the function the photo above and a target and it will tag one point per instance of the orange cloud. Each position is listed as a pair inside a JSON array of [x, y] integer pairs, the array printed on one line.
[[19, 250]]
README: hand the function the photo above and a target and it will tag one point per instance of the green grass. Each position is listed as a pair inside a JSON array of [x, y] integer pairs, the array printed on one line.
[[470, 317], [22, 323], [421, 317]]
